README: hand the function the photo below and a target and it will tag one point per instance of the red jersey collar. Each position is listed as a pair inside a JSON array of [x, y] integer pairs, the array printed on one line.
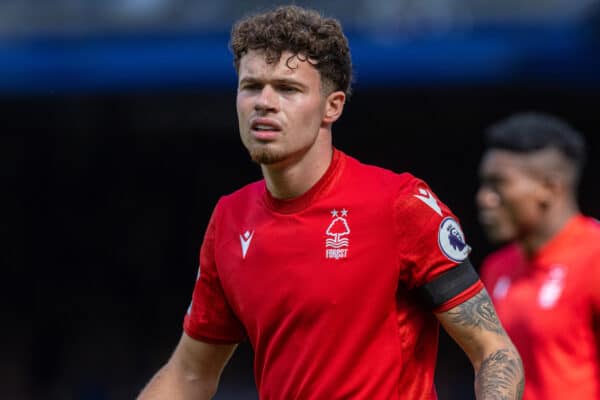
[[290, 206]]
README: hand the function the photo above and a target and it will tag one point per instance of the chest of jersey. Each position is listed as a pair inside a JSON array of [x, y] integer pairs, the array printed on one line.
[[337, 257], [544, 308], [545, 305]]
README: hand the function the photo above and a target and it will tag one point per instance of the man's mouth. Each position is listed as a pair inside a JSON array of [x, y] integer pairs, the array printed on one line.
[[265, 125], [487, 219], [260, 127], [265, 129]]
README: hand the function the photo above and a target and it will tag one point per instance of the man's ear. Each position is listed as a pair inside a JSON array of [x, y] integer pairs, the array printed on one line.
[[334, 105], [552, 186], [557, 175]]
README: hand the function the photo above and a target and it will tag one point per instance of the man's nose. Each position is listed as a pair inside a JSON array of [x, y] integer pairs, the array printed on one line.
[[266, 99], [487, 198]]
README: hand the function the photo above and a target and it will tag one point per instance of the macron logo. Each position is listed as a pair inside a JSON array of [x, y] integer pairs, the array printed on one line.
[[245, 240], [427, 198]]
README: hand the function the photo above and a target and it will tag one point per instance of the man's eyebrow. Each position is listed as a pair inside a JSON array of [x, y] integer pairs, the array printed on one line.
[[288, 81], [249, 80], [276, 81]]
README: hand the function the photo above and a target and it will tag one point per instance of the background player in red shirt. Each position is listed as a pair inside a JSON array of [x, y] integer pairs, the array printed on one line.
[[338, 273], [546, 282]]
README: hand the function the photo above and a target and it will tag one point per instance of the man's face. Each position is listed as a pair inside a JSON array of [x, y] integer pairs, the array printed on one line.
[[510, 197], [280, 107]]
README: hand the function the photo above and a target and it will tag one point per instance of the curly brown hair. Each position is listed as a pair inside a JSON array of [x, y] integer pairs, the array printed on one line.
[[305, 33]]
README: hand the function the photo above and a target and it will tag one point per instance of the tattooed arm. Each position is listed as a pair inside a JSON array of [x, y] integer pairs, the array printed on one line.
[[474, 325]]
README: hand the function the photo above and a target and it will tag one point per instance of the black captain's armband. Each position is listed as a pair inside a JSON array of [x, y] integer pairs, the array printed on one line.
[[448, 285]]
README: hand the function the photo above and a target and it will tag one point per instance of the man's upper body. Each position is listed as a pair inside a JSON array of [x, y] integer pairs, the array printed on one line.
[[319, 264], [325, 285], [547, 303], [545, 283]]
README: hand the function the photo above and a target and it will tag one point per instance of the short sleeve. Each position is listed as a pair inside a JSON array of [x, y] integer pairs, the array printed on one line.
[[431, 240], [209, 317]]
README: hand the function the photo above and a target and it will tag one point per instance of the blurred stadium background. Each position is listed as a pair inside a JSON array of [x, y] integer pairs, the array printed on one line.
[[119, 134]]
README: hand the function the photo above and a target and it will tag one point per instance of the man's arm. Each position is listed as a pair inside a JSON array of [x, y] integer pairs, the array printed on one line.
[[474, 325], [192, 372]]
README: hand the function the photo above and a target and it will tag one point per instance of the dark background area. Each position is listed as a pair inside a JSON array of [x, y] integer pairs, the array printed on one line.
[[105, 199]]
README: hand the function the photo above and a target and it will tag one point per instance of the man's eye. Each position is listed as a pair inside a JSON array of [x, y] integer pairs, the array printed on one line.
[[288, 89], [251, 86], [495, 183]]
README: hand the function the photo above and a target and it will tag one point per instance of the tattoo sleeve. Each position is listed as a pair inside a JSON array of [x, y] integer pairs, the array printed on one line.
[[477, 312], [500, 375]]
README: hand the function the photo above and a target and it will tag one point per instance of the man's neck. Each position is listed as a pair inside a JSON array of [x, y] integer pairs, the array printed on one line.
[[553, 224], [296, 177]]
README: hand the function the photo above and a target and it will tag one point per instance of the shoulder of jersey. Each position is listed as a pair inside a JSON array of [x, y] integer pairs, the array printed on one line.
[[594, 226], [251, 190], [593, 235], [416, 196], [412, 194], [406, 189], [385, 178]]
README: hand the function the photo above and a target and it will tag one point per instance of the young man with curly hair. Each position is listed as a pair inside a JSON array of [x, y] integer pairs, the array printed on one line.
[[545, 279], [338, 273]]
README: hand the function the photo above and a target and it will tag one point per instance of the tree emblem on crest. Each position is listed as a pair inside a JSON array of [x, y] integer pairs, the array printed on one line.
[[338, 228]]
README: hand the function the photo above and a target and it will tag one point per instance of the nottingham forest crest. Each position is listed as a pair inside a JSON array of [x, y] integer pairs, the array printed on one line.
[[337, 242]]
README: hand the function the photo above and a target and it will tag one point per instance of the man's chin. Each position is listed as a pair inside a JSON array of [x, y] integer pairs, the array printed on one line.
[[266, 156], [496, 237]]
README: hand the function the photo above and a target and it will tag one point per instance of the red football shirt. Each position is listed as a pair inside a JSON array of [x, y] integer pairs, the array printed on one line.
[[548, 304], [321, 284]]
